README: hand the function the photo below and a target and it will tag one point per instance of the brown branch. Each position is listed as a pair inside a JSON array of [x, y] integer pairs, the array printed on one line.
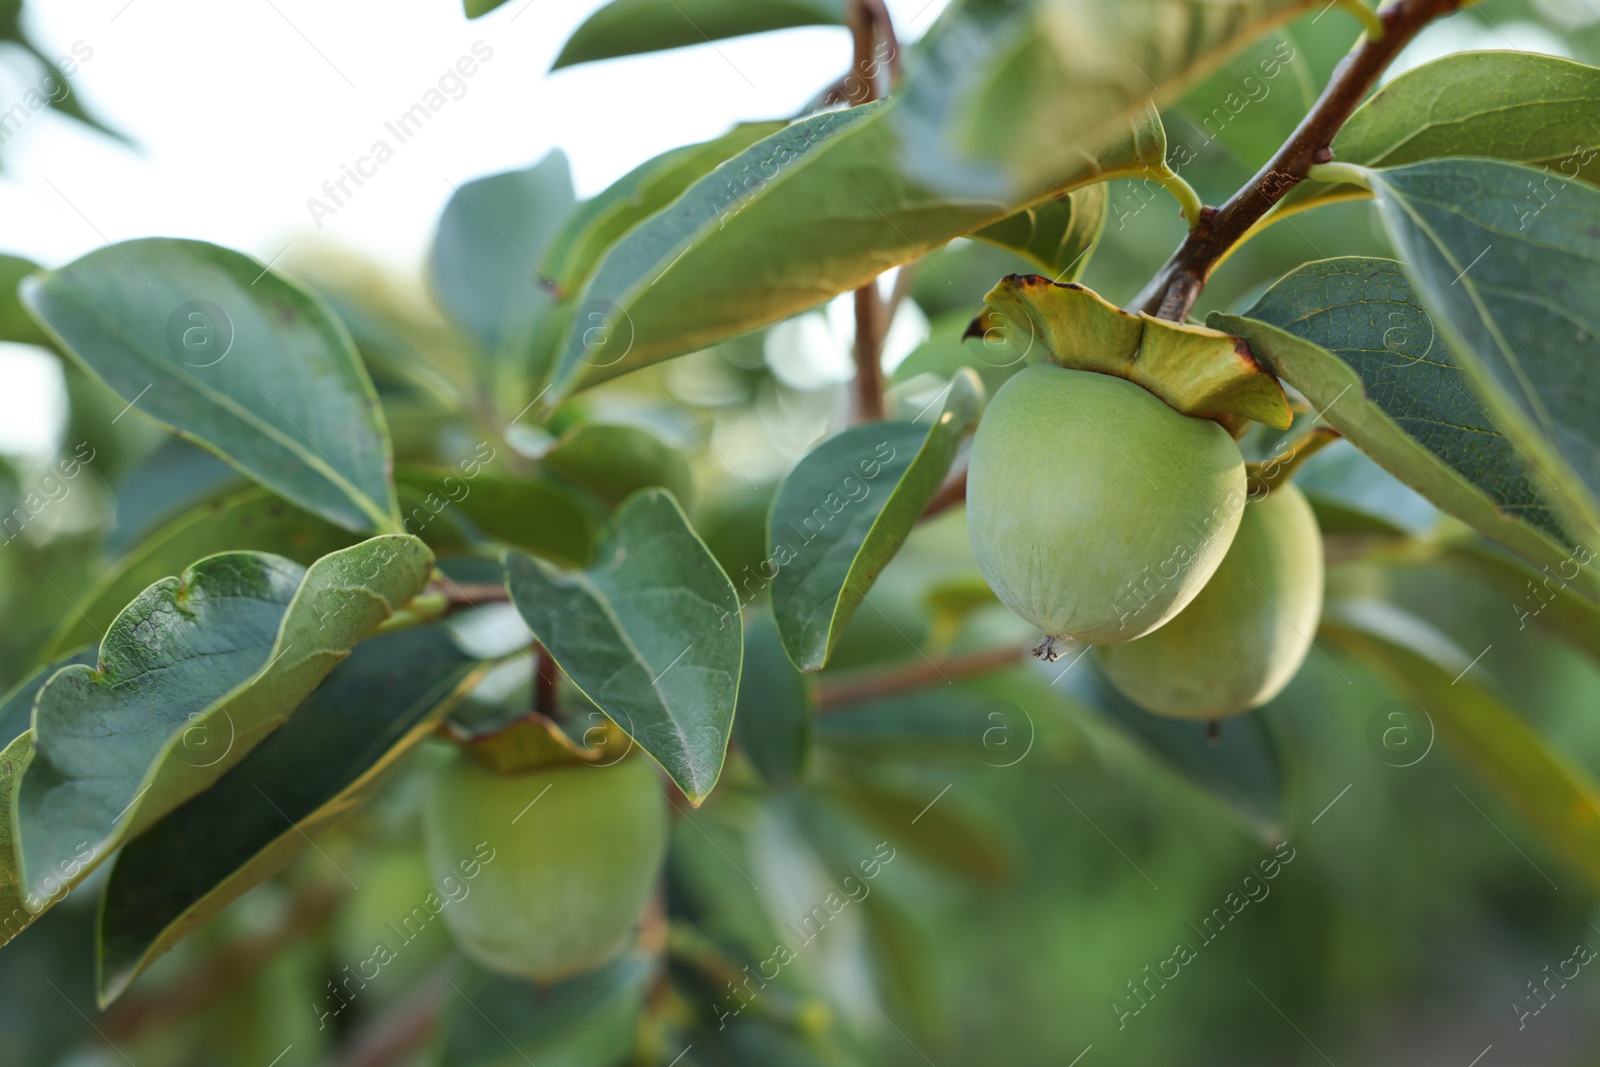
[[1172, 293], [833, 695], [394, 1037], [869, 19], [470, 594], [546, 675]]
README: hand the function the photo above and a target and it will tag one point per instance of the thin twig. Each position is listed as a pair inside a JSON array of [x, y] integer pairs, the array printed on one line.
[[468, 594], [1172, 293], [833, 695], [869, 19]]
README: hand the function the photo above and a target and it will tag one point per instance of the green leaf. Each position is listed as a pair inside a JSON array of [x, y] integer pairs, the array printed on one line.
[[484, 265], [1057, 235], [1509, 273], [1556, 798], [614, 461], [959, 834], [588, 1021], [250, 520], [1518, 106], [628, 27], [597, 223], [217, 347], [986, 105], [845, 510], [215, 659], [479, 8], [650, 633], [817, 209], [775, 722], [541, 515], [320, 766], [1243, 767], [15, 323], [16, 716], [1353, 336]]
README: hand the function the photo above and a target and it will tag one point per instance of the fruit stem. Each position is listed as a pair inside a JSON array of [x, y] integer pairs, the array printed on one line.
[[1262, 478]]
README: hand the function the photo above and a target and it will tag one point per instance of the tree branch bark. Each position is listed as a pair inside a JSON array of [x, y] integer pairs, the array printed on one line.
[[869, 21], [833, 695], [1172, 293]]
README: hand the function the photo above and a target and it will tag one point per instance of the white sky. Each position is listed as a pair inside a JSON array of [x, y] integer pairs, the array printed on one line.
[[242, 109]]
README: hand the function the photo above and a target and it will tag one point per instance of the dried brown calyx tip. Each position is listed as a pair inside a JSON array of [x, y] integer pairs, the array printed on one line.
[[1197, 371]]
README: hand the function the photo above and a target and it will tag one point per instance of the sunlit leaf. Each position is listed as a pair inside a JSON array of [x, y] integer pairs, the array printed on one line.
[[845, 510], [221, 349], [191, 676], [628, 27]]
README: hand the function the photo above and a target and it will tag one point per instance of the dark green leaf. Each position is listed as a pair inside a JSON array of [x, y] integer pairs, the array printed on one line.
[[216, 346], [597, 223], [1508, 267], [1353, 336], [777, 704], [541, 515], [817, 209], [1559, 800], [614, 461], [588, 1021], [192, 675], [650, 633], [1243, 767], [479, 8], [1057, 235], [628, 27], [484, 267], [845, 510], [321, 765]]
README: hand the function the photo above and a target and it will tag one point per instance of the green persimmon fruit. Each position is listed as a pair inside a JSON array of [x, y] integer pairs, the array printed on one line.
[[1096, 511], [566, 877], [1240, 641]]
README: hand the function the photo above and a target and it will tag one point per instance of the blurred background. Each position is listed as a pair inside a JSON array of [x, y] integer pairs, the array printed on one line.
[[1068, 843]]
